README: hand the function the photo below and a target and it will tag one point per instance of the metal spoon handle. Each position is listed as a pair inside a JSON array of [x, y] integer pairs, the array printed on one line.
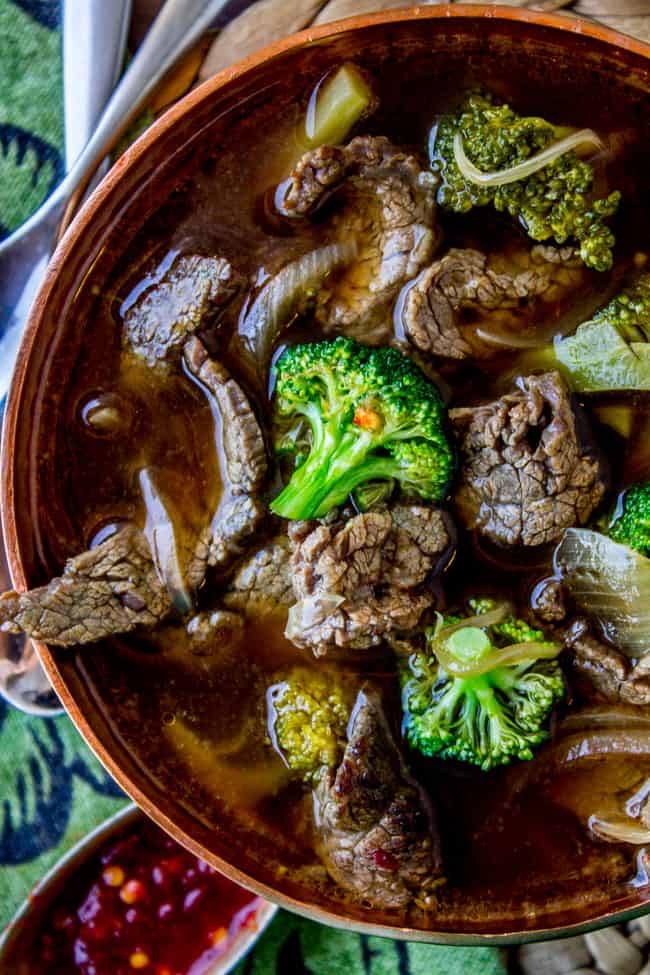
[[94, 41], [178, 26]]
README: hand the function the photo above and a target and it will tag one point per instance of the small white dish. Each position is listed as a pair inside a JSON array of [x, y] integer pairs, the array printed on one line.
[[21, 929]]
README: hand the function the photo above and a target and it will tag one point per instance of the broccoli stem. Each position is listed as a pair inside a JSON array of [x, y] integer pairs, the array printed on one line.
[[334, 468], [342, 100]]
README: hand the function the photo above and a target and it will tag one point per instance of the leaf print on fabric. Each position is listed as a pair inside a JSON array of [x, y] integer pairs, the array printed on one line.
[[46, 12], [29, 170], [294, 946], [39, 762], [384, 957]]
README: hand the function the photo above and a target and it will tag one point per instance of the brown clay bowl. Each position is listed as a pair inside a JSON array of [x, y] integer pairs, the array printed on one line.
[[567, 57]]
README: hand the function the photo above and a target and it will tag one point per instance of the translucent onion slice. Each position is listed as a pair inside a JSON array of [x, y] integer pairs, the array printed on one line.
[[615, 741], [161, 535], [620, 830], [496, 615], [284, 295], [564, 752], [518, 653], [507, 340], [610, 582], [607, 717], [470, 172]]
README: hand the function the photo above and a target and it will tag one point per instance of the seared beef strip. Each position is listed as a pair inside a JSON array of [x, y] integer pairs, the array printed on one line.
[[525, 476], [611, 673], [468, 279], [241, 445], [356, 581], [185, 298], [377, 835], [384, 202], [263, 586], [111, 589]]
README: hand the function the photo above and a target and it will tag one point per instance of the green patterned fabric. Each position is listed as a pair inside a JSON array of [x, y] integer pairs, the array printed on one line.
[[53, 790]]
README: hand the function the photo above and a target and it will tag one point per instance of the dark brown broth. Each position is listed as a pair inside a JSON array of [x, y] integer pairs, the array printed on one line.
[[176, 711]]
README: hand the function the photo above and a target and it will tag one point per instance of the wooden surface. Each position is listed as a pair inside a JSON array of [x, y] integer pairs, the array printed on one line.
[[629, 16]]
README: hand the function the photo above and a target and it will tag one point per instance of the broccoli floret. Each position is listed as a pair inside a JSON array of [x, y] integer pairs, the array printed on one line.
[[373, 416], [509, 630], [308, 717], [481, 715], [630, 522], [373, 493], [612, 350], [553, 202]]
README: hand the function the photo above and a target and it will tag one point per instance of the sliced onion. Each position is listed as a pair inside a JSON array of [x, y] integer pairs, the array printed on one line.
[[161, 535], [282, 297], [608, 581], [533, 164], [638, 805], [518, 653], [609, 717], [507, 341], [560, 755], [619, 741], [496, 615], [621, 830]]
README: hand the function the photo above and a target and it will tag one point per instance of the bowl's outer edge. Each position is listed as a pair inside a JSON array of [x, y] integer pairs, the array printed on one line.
[[563, 24]]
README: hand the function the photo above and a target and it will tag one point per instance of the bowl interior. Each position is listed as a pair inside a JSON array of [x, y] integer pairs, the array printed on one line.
[[552, 63]]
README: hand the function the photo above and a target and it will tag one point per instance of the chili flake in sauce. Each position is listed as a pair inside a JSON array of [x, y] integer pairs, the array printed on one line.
[[145, 905]]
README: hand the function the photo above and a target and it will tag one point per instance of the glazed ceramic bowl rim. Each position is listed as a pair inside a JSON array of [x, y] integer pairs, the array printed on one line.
[[101, 196], [80, 854]]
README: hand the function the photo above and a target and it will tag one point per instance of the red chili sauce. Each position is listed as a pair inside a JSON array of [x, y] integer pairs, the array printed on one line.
[[145, 905]]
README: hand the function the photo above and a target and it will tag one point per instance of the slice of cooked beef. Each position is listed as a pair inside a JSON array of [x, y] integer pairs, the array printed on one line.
[[263, 585], [376, 829], [431, 312], [385, 203], [111, 589], [241, 446], [179, 301], [613, 676], [356, 581], [525, 474]]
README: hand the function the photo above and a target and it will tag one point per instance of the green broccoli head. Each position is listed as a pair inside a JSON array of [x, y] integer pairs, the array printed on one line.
[[555, 202], [612, 349], [468, 697], [373, 416], [629, 311], [630, 522], [308, 718]]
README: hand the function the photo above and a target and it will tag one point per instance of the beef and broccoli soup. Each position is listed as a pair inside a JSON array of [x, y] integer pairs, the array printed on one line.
[[362, 474]]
